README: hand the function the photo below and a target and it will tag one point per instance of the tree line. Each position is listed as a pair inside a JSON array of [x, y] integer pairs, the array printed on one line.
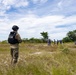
[[70, 37]]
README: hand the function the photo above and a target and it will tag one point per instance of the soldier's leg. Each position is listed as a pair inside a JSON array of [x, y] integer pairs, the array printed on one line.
[[16, 54], [12, 53]]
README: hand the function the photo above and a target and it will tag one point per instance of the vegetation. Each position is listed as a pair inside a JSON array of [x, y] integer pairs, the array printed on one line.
[[39, 59], [32, 40], [45, 35], [36, 40], [71, 36]]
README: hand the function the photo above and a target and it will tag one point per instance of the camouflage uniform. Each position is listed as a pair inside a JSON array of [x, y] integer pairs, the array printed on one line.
[[15, 49]]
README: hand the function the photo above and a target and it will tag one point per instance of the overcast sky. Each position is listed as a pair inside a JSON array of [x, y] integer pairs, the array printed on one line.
[[57, 17]]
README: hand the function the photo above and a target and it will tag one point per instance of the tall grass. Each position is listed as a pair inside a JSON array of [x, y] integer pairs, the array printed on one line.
[[39, 59]]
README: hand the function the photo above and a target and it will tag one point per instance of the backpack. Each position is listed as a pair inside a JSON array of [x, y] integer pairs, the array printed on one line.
[[11, 38]]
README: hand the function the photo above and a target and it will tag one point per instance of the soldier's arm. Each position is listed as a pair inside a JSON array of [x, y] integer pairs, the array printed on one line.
[[18, 38]]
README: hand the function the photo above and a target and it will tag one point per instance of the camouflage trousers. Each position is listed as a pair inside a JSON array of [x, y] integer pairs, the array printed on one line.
[[14, 55]]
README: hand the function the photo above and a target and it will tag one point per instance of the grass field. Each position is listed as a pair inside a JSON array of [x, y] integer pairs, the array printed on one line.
[[39, 59]]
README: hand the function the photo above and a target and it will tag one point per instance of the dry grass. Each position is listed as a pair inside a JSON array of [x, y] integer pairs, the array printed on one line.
[[39, 59]]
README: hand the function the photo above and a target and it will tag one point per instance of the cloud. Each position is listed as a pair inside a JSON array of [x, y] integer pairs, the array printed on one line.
[[57, 17], [39, 1], [67, 7], [7, 4], [32, 25], [15, 3]]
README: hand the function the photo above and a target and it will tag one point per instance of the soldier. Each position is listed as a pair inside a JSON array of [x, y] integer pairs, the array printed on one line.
[[49, 42], [54, 41], [57, 42], [60, 41], [14, 39]]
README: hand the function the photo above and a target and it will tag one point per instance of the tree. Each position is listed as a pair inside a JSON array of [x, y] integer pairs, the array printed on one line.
[[67, 39], [45, 35], [72, 35]]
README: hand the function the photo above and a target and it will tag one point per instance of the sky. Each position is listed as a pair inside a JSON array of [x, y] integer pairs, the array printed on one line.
[[57, 17]]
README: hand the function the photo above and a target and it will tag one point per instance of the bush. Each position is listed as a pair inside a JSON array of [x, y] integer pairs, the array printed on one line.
[[32, 40], [4, 42], [67, 39]]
